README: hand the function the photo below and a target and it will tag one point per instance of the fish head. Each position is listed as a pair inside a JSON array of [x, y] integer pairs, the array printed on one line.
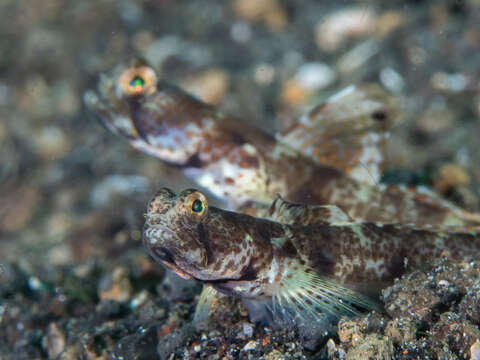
[[195, 240], [132, 101]]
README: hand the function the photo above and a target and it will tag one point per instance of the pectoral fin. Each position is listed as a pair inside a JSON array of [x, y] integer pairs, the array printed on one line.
[[303, 294], [207, 298]]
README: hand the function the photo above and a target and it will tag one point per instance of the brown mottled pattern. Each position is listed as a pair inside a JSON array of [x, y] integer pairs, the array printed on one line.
[[363, 253], [250, 257], [213, 245], [240, 164]]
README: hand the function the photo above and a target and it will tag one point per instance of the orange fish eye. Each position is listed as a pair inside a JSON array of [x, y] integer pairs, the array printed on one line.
[[137, 81]]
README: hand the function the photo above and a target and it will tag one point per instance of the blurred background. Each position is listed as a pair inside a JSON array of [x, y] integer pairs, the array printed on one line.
[[71, 192]]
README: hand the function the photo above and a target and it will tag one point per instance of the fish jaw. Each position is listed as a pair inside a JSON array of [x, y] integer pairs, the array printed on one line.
[[158, 119]]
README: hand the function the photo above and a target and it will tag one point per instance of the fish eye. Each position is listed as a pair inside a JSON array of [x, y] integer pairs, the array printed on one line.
[[138, 83], [193, 203], [198, 206], [140, 80]]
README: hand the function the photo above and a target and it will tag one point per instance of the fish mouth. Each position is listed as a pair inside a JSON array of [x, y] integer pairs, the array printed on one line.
[[161, 253], [166, 257], [109, 108]]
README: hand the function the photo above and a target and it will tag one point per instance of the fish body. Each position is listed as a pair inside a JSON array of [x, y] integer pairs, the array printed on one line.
[[302, 262], [332, 156]]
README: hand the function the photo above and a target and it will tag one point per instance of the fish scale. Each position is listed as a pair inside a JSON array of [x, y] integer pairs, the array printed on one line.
[[333, 156], [302, 264]]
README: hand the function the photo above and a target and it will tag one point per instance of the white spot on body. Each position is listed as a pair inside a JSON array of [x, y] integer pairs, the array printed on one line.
[[377, 266]]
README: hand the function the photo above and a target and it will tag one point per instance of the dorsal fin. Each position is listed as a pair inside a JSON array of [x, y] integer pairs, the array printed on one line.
[[347, 132], [286, 212]]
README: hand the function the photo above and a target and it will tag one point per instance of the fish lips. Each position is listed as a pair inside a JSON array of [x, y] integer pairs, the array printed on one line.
[[102, 109], [152, 241]]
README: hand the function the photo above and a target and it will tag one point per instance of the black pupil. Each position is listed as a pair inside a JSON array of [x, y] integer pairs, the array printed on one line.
[[137, 81], [197, 206]]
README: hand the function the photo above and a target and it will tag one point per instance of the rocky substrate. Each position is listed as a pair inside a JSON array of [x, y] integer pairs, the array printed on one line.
[[102, 310]]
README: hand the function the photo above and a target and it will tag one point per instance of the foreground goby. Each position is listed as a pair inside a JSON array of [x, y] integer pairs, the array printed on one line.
[[305, 263], [333, 155]]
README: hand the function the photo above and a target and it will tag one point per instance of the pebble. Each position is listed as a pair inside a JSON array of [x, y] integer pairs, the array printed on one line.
[[247, 330], [116, 286], [294, 94], [371, 348], [139, 299], [241, 32], [449, 176], [392, 80], [335, 29], [54, 341], [196, 347], [268, 11], [331, 348], [210, 86], [475, 350], [309, 78], [438, 117], [264, 74], [389, 22], [251, 345], [315, 75], [142, 40], [358, 56], [454, 83], [18, 207], [110, 186]]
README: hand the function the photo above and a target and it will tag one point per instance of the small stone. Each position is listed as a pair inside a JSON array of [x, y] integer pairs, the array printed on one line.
[[241, 32], [349, 331], [294, 94], [247, 330], [139, 299], [454, 83], [116, 286], [52, 143], [371, 348], [142, 40], [17, 207], [266, 341], [475, 350], [264, 74], [274, 355], [338, 27], [54, 341], [315, 75], [310, 77], [443, 283], [400, 330], [450, 176], [210, 86], [331, 348], [390, 21], [439, 117], [268, 11], [196, 347], [251, 345]]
